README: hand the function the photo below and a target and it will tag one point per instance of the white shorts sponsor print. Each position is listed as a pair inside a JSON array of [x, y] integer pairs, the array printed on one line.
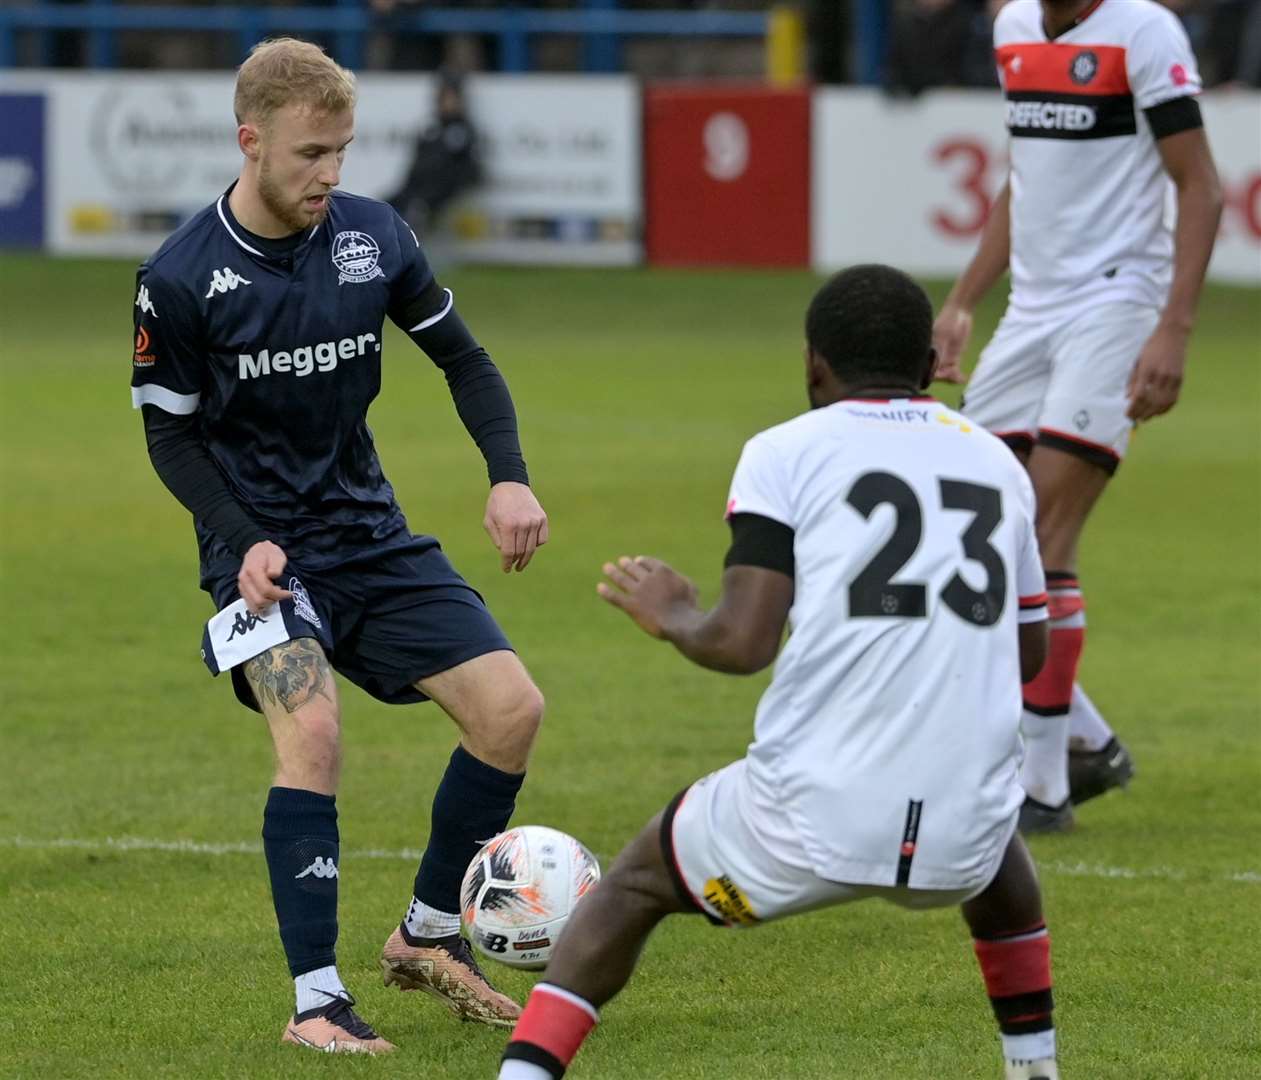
[[1062, 381], [742, 864]]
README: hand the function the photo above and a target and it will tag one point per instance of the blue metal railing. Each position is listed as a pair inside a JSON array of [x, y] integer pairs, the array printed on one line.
[[599, 23]]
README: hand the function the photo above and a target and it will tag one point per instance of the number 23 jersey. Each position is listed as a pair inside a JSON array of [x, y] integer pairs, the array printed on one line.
[[915, 559]]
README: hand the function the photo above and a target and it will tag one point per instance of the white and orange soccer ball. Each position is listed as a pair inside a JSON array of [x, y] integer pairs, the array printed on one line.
[[519, 891]]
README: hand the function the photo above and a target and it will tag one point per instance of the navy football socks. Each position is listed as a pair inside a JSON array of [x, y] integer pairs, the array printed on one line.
[[301, 845], [472, 804]]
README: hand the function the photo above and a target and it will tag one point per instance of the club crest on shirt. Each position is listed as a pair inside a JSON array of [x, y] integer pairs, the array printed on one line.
[[302, 605], [356, 256], [1084, 67]]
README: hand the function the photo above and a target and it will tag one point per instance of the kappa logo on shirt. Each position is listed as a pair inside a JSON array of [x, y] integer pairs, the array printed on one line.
[[225, 280], [144, 303]]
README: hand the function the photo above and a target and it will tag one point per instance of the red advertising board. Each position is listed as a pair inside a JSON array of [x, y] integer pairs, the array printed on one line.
[[727, 175]]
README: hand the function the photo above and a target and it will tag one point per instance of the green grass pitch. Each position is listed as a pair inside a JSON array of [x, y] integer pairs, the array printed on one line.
[[123, 954]]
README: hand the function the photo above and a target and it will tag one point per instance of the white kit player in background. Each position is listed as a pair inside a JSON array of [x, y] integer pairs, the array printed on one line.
[[1106, 140], [898, 539]]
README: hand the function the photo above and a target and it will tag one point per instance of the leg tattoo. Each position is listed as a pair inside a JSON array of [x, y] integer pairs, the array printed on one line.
[[290, 675]]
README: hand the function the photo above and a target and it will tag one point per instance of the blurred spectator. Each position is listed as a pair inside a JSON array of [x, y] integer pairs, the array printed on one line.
[[444, 164], [940, 43], [1230, 52]]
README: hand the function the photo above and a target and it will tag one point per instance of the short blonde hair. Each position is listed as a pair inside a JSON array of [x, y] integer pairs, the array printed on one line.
[[286, 71]]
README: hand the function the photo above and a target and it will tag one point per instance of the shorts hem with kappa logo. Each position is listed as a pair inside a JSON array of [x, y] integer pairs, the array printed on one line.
[[741, 873], [1062, 384], [385, 623]]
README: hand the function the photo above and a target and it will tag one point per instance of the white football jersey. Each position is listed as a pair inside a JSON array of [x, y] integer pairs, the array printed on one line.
[[1091, 205], [890, 731]]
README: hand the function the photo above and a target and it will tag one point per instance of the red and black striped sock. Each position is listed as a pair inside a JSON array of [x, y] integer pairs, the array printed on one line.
[[552, 1027], [1048, 696], [1017, 972]]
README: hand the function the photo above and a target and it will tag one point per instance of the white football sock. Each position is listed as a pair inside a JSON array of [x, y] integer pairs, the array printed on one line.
[[1044, 772], [318, 987], [516, 1069], [1087, 729], [425, 922], [1036, 1046]]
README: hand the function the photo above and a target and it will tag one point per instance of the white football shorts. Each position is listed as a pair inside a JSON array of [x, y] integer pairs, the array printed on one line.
[[1062, 382], [740, 863]]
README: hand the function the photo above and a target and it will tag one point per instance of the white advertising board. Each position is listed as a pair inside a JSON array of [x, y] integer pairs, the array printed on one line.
[[132, 154], [910, 183]]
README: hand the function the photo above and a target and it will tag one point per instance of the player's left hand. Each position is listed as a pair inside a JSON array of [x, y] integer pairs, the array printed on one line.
[[515, 523], [1157, 376], [648, 591]]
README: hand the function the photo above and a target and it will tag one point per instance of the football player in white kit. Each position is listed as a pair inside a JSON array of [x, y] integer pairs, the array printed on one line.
[[897, 538], [1104, 127]]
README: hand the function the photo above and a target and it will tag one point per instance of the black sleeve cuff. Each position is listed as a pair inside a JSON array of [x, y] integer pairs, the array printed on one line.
[[1170, 117], [760, 541]]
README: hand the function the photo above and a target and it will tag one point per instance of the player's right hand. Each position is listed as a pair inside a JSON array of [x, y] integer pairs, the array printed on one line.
[[950, 337], [648, 590], [263, 563]]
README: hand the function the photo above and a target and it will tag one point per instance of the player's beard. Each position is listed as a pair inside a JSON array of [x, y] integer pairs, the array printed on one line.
[[292, 215]]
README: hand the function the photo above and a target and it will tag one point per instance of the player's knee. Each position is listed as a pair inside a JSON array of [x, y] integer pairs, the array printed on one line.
[[530, 710], [502, 731], [523, 716]]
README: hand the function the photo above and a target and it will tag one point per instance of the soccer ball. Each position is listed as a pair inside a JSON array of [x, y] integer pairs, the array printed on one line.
[[519, 890]]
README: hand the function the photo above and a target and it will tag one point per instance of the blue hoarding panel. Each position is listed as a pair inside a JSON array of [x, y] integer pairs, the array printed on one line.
[[22, 170]]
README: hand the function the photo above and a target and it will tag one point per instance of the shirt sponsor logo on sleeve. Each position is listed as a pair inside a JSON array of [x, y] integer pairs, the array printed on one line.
[[1178, 75], [143, 357], [356, 255]]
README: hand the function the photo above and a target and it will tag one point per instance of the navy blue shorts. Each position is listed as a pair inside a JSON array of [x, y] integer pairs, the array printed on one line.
[[384, 622]]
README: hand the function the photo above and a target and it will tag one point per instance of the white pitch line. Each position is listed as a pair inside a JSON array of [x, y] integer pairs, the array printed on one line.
[[180, 847], [198, 847]]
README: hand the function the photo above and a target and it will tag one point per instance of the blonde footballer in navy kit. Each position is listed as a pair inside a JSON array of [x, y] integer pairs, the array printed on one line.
[[259, 330]]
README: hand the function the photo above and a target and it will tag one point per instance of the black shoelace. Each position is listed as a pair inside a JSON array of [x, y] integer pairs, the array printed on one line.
[[342, 1013], [463, 952]]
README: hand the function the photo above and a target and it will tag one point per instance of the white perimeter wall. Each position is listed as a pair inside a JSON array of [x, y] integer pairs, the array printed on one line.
[[909, 183]]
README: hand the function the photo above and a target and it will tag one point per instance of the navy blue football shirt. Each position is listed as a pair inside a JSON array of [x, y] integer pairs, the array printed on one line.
[[275, 349]]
